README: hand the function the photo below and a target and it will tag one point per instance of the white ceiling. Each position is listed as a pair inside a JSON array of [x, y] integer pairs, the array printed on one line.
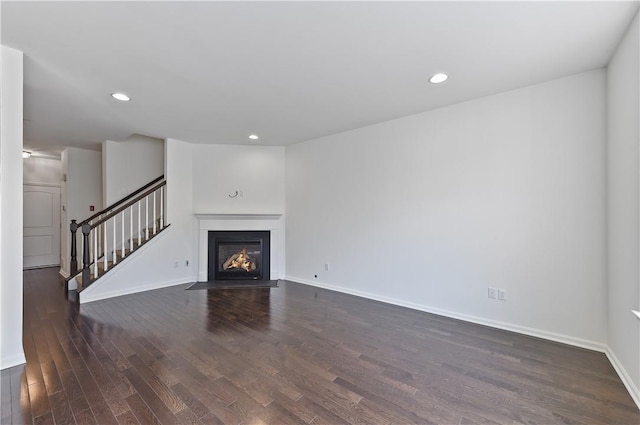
[[214, 72]]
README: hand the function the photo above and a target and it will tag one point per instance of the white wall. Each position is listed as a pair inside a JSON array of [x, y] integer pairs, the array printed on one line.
[[623, 190], [256, 171], [129, 165], [199, 180], [162, 262], [429, 210], [11, 98], [42, 170], [81, 190]]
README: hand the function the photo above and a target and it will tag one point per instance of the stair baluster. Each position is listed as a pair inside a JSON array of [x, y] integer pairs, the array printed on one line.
[[105, 261], [73, 264], [95, 252], [161, 207], [86, 258], [139, 227], [122, 244], [146, 218], [154, 212], [131, 228]]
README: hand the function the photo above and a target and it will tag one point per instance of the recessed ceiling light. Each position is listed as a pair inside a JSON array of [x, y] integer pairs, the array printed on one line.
[[26, 154], [438, 78], [121, 97], [253, 137]]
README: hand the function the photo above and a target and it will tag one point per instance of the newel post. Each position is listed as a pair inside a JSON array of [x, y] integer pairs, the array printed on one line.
[[73, 264], [86, 257]]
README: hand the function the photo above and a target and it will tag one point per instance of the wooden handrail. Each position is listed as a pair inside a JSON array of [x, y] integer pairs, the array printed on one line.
[[126, 198], [127, 205]]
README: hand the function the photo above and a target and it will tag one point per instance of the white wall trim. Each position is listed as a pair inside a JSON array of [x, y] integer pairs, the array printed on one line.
[[26, 183], [42, 155], [637, 313], [624, 376], [12, 361], [538, 333]]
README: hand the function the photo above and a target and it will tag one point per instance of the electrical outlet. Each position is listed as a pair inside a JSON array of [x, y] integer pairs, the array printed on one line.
[[176, 264], [502, 294], [491, 292], [326, 267]]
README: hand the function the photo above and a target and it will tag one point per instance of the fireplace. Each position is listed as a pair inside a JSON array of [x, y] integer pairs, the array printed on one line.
[[272, 223], [239, 255]]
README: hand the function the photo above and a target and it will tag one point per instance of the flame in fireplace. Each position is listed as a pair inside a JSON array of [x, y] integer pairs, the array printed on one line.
[[240, 260]]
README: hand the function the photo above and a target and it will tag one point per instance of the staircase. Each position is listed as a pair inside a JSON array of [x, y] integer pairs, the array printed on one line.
[[113, 234]]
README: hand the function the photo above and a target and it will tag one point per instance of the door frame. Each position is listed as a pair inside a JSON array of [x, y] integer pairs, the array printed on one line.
[[59, 186]]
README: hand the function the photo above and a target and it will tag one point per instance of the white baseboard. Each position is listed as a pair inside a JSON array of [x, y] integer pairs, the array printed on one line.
[[65, 275], [41, 266], [87, 298], [538, 333], [11, 361], [73, 284], [631, 387]]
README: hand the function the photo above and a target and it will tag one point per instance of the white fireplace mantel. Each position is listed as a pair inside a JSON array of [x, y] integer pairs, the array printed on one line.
[[216, 222]]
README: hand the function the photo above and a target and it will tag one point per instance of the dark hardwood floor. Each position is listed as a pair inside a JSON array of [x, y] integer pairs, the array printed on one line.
[[289, 355]]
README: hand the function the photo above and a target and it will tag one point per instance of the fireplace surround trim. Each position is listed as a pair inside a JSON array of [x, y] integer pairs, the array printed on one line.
[[274, 223]]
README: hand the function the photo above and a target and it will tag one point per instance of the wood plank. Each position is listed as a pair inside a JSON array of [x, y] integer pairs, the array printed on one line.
[[191, 401], [46, 419], [39, 399], [74, 393], [85, 417], [61, 409], [188, 417], [5, 395], [168, 397], [127, 418], [102, 413], [20, 401], [51, 377], [143, 414], [160, 410]]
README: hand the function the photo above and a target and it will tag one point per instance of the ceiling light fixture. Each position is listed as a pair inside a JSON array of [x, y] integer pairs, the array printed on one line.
[[26, 154], [121, 97], [253, 137], [438, 78]]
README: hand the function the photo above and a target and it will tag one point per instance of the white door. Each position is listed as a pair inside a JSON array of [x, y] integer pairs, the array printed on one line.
[[41, 226]]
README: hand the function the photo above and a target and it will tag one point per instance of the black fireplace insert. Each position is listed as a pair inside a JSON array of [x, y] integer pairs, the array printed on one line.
[[239, 255]]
